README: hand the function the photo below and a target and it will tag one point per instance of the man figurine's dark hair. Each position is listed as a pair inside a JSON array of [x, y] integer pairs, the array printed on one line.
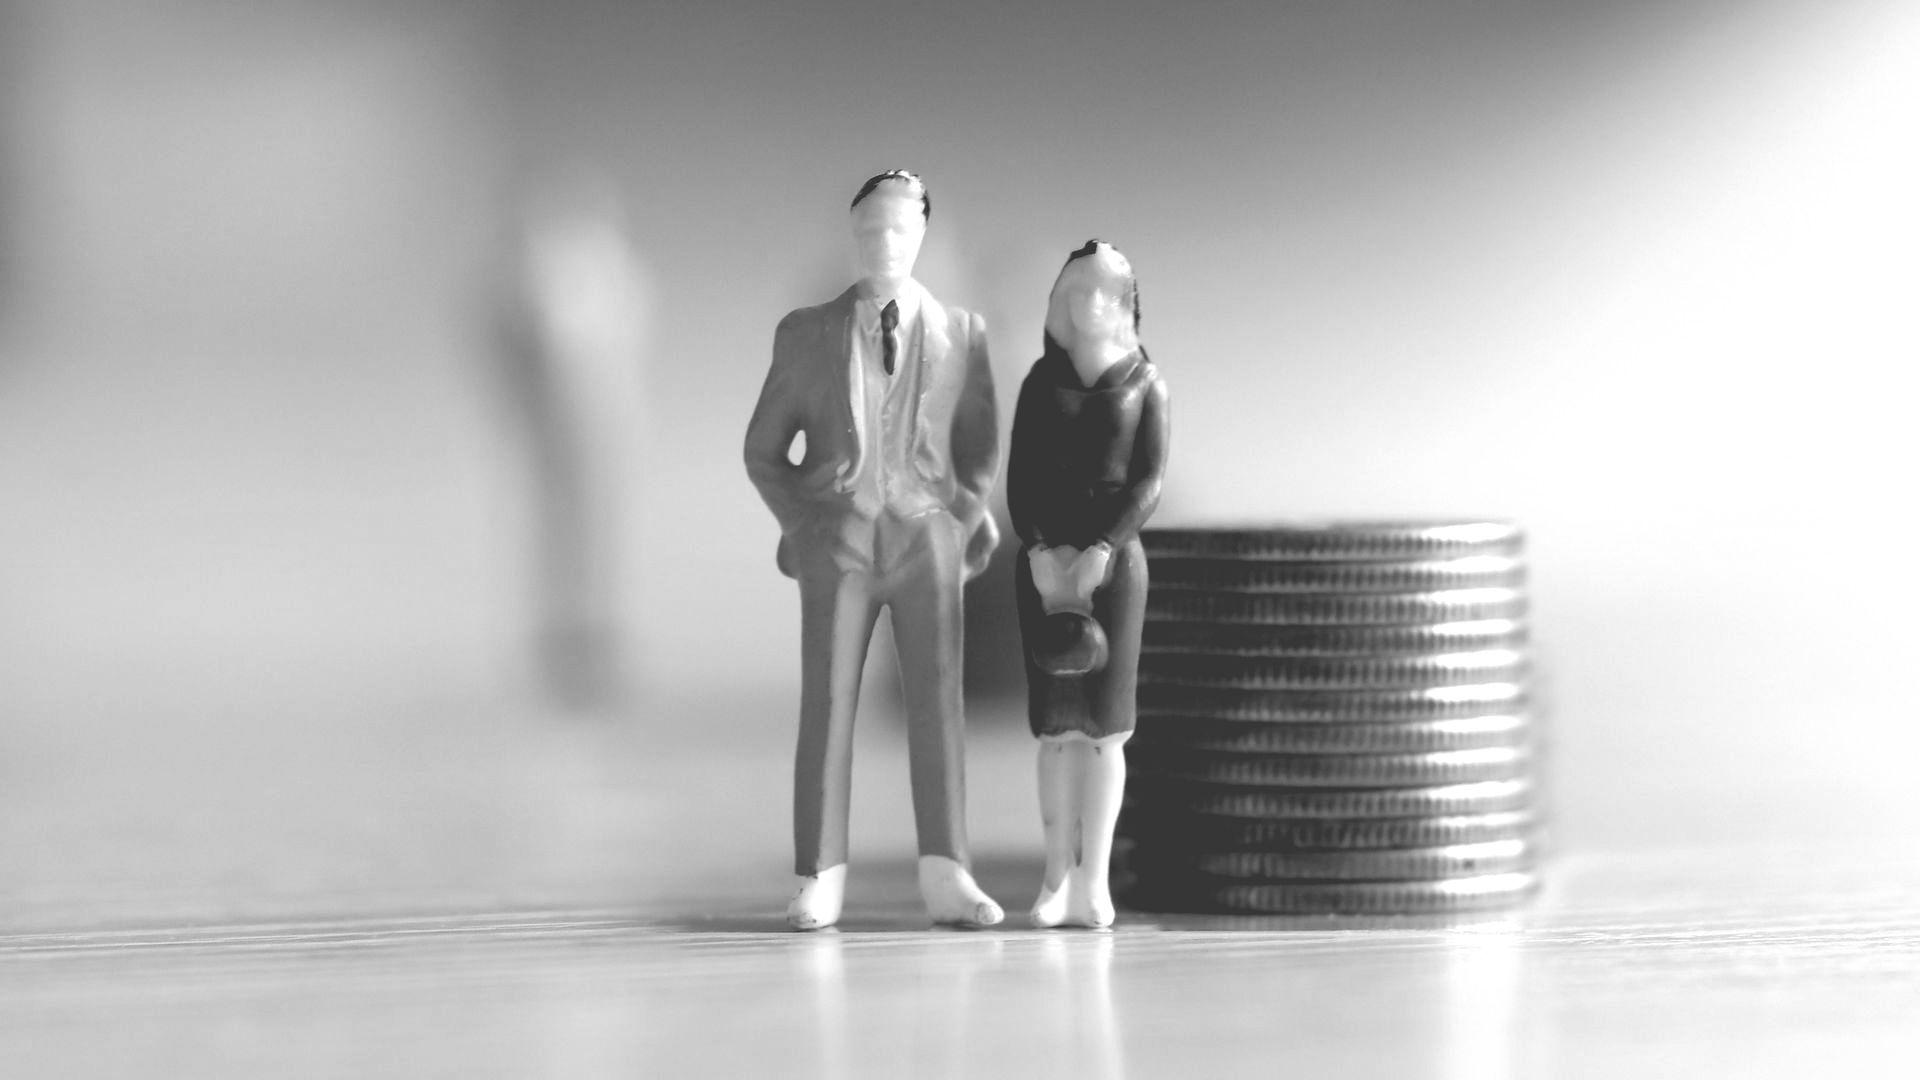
[[912, 181]]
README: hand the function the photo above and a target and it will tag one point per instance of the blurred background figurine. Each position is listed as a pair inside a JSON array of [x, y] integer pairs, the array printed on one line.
[[1089, 452], [573, 361], [875, 444]]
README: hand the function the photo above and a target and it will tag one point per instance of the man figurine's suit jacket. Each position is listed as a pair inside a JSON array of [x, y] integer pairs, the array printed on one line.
[[814, 386]]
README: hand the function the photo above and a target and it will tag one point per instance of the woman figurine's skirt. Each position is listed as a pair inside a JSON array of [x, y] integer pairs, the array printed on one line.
[[1099, 703]]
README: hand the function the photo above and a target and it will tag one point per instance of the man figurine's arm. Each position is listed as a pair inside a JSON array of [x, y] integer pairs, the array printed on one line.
[[976, 430], [777, 418], [1029, 443], [976, 451]]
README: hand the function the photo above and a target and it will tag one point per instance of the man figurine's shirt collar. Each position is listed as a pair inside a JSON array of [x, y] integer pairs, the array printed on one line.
[[866, 306]]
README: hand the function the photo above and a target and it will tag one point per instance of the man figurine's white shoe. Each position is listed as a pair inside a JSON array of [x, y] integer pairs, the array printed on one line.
[[951, 896], [816, 905]]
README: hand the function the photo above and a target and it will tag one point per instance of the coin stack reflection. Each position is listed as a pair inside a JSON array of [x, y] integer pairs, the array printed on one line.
[[1332, 720]]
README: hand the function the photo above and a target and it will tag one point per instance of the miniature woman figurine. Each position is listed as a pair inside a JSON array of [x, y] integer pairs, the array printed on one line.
[[1089, 451]]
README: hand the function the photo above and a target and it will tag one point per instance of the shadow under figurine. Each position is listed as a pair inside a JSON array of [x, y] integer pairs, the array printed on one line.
[[886, 508], [1089, 452]]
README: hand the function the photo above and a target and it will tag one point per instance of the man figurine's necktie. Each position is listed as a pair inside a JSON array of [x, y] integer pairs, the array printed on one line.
[[889, 319]]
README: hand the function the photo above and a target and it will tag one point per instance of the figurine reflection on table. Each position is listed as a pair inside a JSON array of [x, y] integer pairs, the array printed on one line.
[[1089, 452], [886, 506]]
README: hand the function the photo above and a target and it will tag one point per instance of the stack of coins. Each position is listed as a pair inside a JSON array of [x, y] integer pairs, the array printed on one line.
[[1332, 720]]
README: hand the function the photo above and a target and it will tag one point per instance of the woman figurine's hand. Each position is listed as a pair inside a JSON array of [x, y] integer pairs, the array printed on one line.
[[1092, 568], [1044, 563]]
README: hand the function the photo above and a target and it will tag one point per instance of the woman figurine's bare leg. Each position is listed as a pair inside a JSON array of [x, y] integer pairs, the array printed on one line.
[[1057, 813], [1102, 768]]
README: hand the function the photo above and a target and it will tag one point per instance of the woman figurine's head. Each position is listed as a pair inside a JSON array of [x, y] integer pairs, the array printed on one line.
[[1095, 300]]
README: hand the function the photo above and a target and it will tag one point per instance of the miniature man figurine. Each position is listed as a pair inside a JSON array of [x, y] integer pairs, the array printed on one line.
[[1089, 451], [886, 506]]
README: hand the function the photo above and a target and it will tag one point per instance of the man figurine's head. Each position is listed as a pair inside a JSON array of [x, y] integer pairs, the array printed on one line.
[[889, 218]]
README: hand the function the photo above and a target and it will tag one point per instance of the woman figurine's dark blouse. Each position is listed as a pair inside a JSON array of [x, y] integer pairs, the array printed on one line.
[[1087, 460]]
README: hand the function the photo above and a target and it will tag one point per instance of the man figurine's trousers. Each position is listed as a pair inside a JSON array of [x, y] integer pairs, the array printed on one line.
[[915, 569]]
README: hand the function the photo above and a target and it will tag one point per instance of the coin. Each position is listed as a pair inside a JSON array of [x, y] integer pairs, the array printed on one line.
[[1254, 737], [1334, 672], [1333, 770], [1255, 576], [1172, 604], [1209, 832], [1407, 864], [1329, 706], [1480, 893], [1341, 540], [1229, 639], [1155, 793]]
